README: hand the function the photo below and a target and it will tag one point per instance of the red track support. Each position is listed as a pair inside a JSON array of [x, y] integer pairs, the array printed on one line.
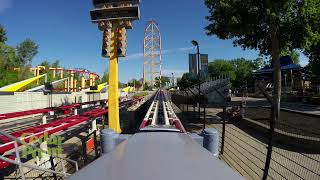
[[23, 113], [40, 130], [95, 113]]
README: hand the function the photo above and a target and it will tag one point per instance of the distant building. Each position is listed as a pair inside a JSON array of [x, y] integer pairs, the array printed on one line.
[[193, 64], [204, 70]]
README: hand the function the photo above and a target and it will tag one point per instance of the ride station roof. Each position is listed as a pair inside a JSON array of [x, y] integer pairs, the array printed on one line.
[[286, 65]]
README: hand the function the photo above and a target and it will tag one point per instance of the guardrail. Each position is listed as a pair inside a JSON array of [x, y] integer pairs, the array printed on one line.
[[21, 164]]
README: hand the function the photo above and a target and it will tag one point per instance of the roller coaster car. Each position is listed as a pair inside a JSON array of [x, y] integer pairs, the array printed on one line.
[[157, 156]]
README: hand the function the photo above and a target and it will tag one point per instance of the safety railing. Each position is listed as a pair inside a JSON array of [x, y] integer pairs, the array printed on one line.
[[23, 165], [245, 142]]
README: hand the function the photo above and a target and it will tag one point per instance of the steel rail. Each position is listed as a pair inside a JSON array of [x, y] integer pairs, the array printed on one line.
[[154, 121], [165, 113]]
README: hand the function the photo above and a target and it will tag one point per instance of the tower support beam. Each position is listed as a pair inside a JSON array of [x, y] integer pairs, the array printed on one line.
[[113, 93]]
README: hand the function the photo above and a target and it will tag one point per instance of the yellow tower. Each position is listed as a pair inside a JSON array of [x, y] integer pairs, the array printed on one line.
[[114, 21], [113, 93]]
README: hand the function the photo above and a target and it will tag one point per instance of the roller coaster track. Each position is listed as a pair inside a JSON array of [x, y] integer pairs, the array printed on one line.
[[161, 116], [20, 85]]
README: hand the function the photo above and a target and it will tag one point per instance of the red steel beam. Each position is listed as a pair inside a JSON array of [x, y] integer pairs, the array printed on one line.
[[23, 113], [50, 128], [35, 111], [95, 113]]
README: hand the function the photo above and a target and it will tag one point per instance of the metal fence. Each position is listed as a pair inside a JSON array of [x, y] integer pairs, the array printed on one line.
[[294, 143], [295, 150]]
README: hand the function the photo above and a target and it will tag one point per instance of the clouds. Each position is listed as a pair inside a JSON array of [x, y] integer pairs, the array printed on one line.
[[136, 56], [5, 5], [176, 50]]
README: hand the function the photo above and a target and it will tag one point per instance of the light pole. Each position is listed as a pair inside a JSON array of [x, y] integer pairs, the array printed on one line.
[[195, 43]]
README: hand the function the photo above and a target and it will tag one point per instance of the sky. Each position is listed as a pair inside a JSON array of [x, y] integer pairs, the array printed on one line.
[[63, 30]]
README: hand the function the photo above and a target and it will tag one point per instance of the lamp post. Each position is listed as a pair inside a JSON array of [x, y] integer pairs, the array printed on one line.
[[195, 43]]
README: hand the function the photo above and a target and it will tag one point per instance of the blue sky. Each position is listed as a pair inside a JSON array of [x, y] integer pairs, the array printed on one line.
[[63, 30]]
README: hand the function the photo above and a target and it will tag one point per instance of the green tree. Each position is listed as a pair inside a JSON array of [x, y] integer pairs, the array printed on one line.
[[105, 77], [258, 63], [3, 35], [187, 80], [315, 68], [269, 26], [147, 87], [164, 81], [295, 56], [134, 83], [26, 51], [239, 70], [8, 58], [312, 46], [122, 85], [55, 64], [46, 64], [314, 60], [221, 67], [243, 71]]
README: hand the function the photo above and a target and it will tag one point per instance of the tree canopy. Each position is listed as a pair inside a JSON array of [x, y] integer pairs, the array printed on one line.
[[3, 35], [239, 70], [164, 81], [187, 80], [26, 51], [105, 77], [220, 67], [295, 56], [15, 57], [269, 26]]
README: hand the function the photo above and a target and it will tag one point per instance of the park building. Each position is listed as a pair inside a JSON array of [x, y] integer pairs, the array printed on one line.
[[297, 81]]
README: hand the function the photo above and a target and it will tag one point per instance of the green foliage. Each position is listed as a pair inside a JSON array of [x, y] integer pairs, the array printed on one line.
[[313, 52], [187, 80], [134, 83], [55, 64], [295, 56], [105, 77], [7, 77], [8, 58], [258, 63], [146, 87], [3, 35], [251, 24], [221, 67], [269, 26], [26, 51], [314, 67], [122, 85], [47, 64], [239, 70], [164, 81]]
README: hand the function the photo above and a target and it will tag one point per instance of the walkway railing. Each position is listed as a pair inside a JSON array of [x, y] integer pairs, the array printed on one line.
[[22, 165], [244, 143]]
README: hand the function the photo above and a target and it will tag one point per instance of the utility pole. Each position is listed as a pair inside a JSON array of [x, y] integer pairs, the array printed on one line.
[[195, 43]]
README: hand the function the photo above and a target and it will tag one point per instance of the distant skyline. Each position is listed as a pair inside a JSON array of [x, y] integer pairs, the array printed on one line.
[[64, 31]]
